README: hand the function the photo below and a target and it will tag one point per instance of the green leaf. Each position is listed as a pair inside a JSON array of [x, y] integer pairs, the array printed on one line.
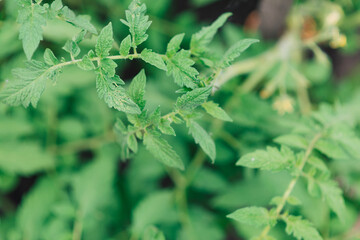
[[125, 46], [72, 47], [156, 208], [202, 138], [292, 140], [180, 67], [36, 207], [269, 159], [29, 84], [174, 44], [32, 19], [137, 22], [162, 150], [152, 233], [333, 196], [115, 96], [132, 143], [50, 58], [201, 39], [153, 58], [193, 98], [81, 21], [105, 41], [86, 64], [92, 193], [301, 229], [254, 216], [31, 159], [137, 89], [214, 110], [56, 5], [234, 51], [165, 127]]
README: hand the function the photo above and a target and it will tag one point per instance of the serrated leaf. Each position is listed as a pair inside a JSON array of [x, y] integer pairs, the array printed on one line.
[[153, 58], [201, 39], [202, 138], [132, 143], [105, 41], [165, 127], [161, 149], [137, 89], [254, 216], [301, 229], [269, 159], [137, 22], [28, 85], [31, 159], [50, 58], [214, 110], [86, 64], [334, 198], [180, 67], [193, 98], [125, 46], [32, 19], [235, 51], [174, 44], [115, 96], [72, 48], [80, 21]]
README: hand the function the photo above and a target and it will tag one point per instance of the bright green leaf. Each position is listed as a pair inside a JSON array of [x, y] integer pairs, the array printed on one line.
[[105, 41], [214, 110], [193, 98], [254, 216], [301, 229], [153, 58], [162, 150]]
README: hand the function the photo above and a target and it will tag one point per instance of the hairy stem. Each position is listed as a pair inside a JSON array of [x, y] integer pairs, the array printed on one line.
[[292, 183]]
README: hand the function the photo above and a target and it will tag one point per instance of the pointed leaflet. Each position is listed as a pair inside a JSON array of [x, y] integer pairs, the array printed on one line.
[[107, 88], [174, 44], [269, 159], [333, 196], [105, 41], [193, 98], [50, 58], [32, 19], [29, 84], [125, 46], [214, 110], [202, 138], [162, 150], [234, 52], [137, 89], [81, 21], [153, 58], [180, 67], [137, 22], [301, 229], [254, 216], [201, 39]]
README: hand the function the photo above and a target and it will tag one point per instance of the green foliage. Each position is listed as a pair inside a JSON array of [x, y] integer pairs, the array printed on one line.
[[282, 139]]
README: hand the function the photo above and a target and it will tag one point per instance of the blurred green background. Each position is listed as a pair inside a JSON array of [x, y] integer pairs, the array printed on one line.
[[63, 175]]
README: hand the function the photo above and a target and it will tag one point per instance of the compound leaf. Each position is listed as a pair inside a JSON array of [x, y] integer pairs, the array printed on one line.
[[32, 19]]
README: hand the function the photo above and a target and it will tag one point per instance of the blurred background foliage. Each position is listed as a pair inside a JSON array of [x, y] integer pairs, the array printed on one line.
[[62, 175]]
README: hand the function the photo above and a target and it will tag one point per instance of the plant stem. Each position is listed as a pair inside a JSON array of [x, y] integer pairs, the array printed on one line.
[[292, 183]]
